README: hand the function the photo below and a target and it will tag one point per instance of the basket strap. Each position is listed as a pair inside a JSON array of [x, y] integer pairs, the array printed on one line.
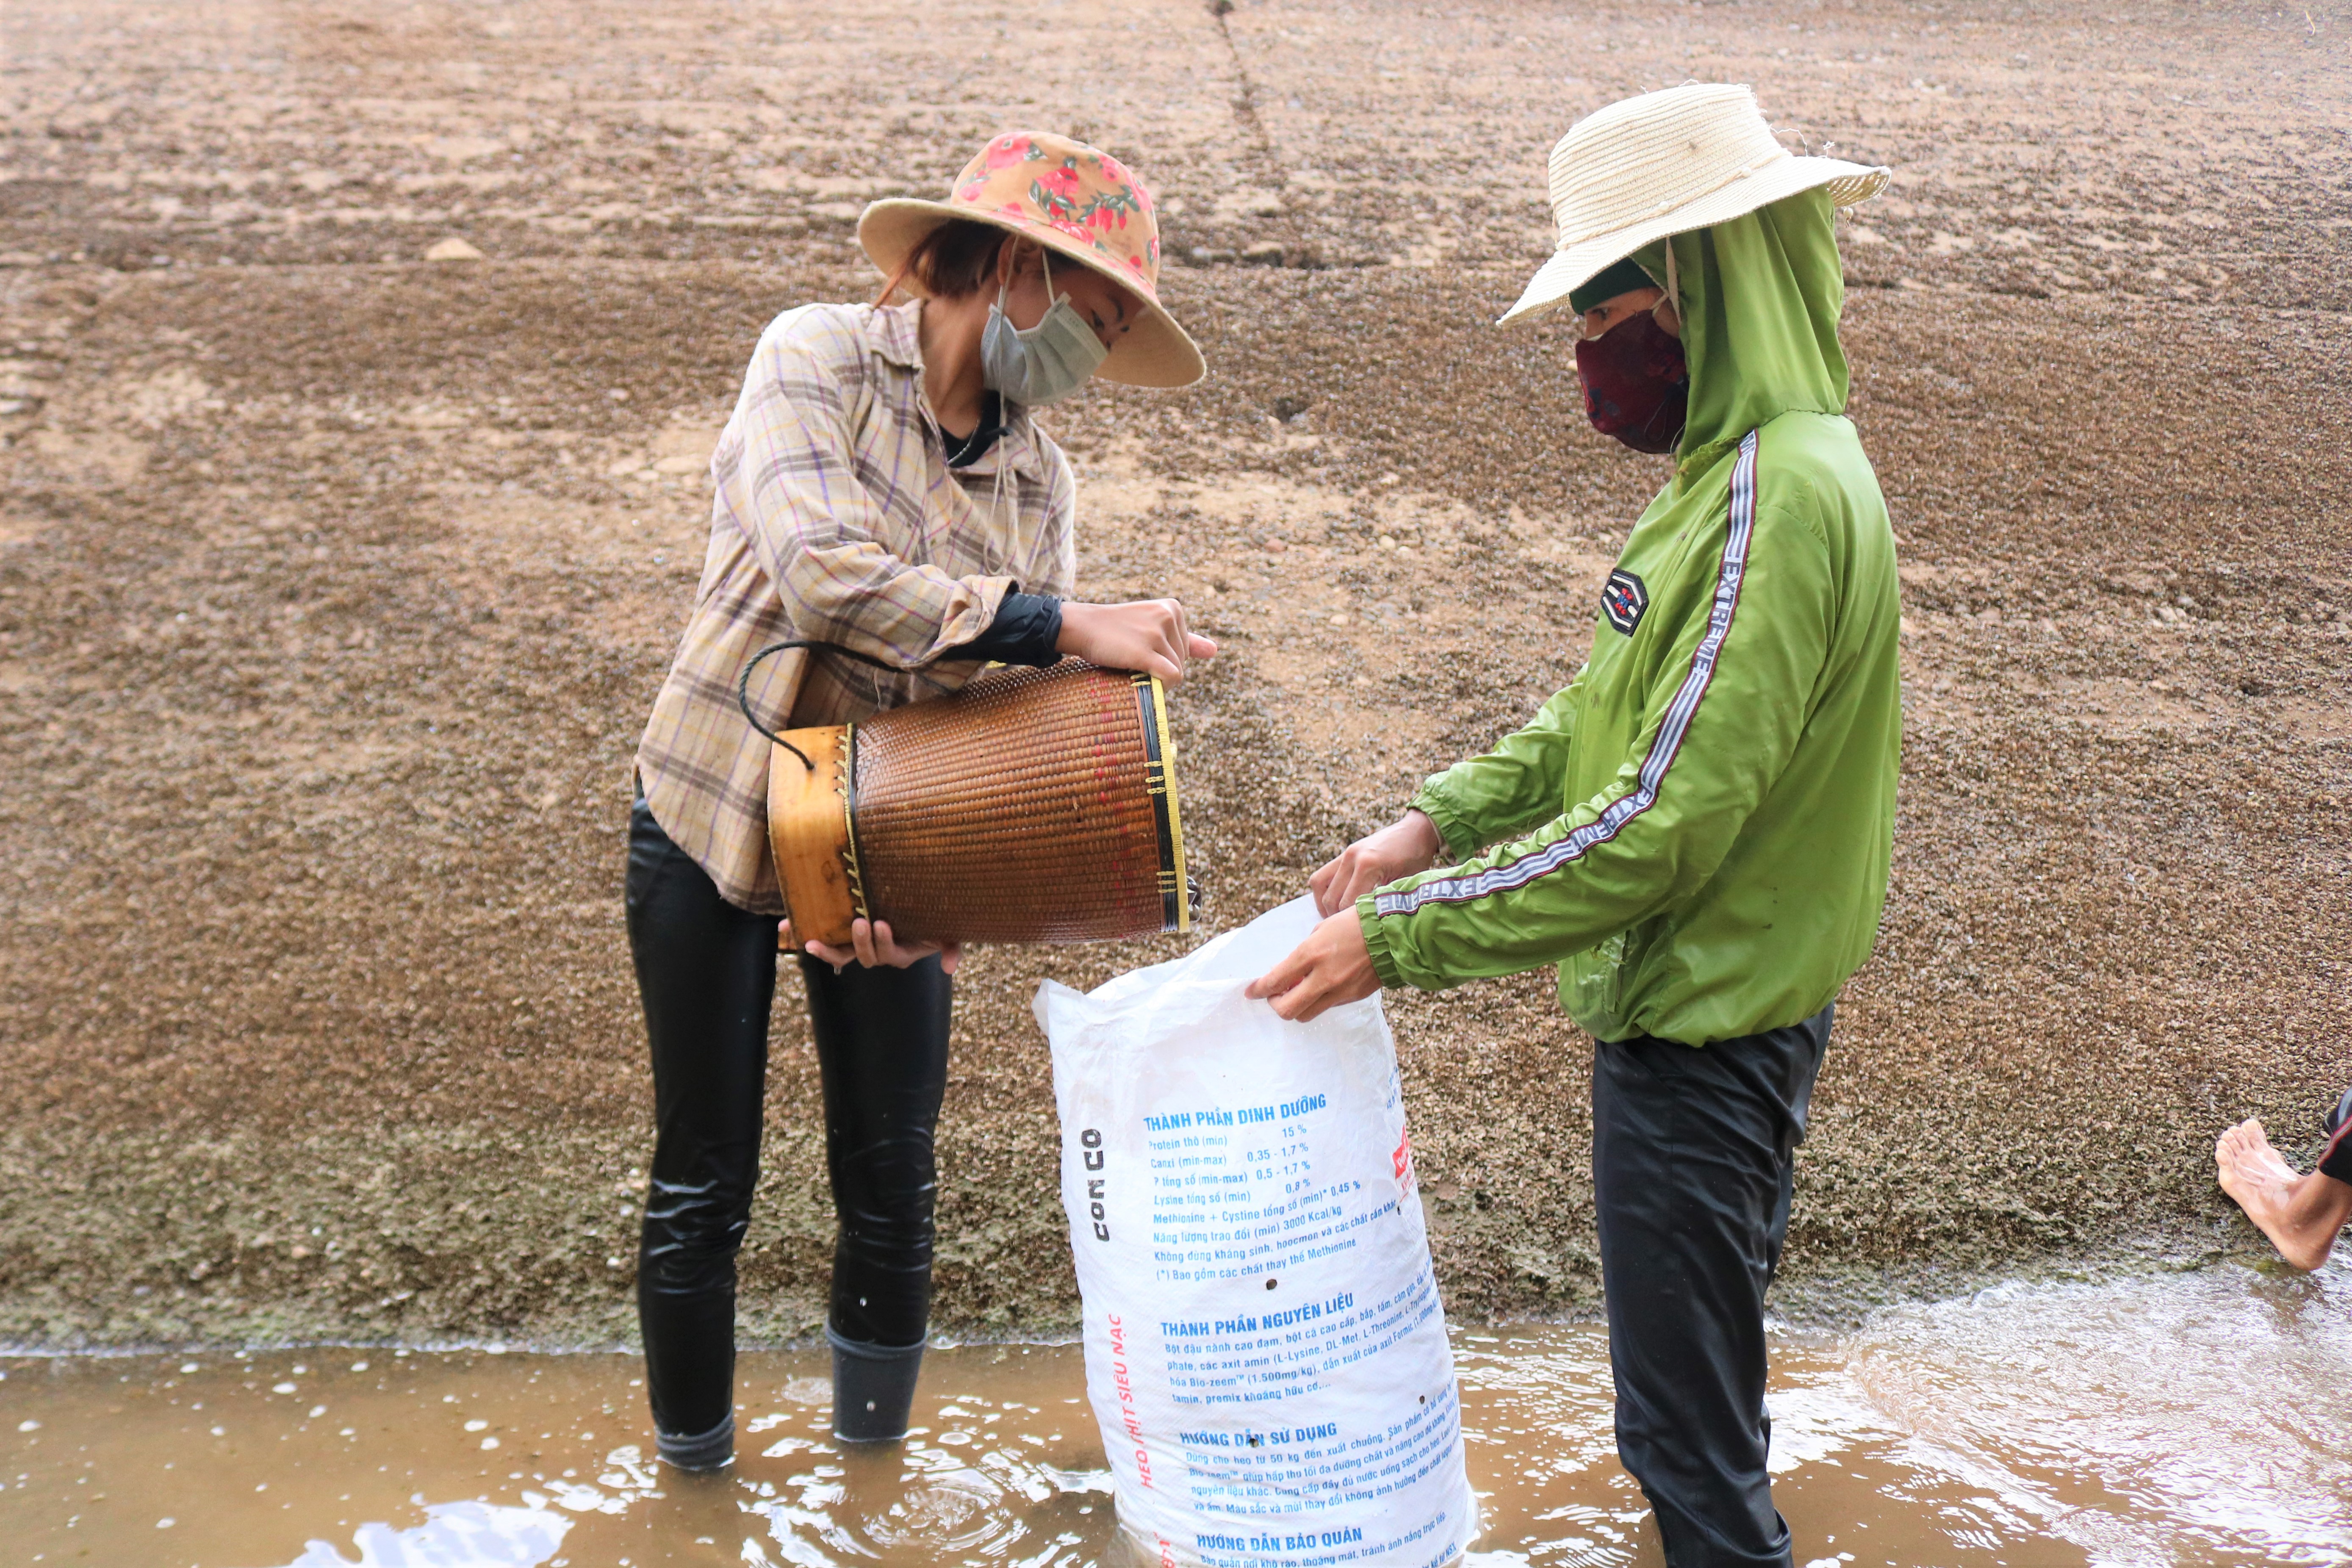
[[743, 683]]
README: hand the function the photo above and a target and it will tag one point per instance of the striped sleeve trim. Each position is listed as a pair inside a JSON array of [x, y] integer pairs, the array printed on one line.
[[1662, 750]]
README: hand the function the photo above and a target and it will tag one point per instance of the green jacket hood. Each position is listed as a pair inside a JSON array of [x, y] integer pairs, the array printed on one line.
[[1698, 830], [1760, 300]]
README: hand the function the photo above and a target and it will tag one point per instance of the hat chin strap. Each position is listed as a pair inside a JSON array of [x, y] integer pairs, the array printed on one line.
[[1673, 282], [996, 485]]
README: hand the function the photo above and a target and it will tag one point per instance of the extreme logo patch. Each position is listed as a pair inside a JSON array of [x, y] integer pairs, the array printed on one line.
[[1622, 600]]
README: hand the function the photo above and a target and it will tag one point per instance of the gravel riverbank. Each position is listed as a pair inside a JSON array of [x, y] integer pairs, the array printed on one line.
[[335, 583]]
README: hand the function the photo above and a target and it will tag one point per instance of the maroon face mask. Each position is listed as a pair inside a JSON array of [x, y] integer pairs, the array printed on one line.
[[1636, 385]]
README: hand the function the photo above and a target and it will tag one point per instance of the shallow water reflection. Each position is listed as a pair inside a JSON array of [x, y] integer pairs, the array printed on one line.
[[2187, 1419]]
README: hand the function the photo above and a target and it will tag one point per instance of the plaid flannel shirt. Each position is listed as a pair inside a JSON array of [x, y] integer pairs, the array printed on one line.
[[837, 518]]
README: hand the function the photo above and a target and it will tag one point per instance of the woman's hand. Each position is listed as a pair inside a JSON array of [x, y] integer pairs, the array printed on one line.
[[1331, 966], [871, 944], [1412, 843], [1149, 635]]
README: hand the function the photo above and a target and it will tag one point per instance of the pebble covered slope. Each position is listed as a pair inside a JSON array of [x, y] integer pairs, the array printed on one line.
[[358, 369]]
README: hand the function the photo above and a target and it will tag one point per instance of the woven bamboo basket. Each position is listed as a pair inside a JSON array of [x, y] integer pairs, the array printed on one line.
[[1033, 805]]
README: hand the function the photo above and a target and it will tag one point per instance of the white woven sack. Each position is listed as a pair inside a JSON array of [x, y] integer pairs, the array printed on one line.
[[1264, 1346]]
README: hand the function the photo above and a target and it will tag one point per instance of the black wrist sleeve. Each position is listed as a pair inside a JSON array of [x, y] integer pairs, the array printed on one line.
[[1026, 627]]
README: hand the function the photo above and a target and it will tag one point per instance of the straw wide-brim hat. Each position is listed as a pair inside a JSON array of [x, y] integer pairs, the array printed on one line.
[[1664, 164], [1077, 201]]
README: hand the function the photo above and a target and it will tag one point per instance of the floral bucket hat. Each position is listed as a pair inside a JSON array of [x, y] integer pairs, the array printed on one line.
[[1079, 202]]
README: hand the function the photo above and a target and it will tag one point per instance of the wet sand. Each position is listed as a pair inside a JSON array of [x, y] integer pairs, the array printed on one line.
[[335, 583], [2020, 1427]]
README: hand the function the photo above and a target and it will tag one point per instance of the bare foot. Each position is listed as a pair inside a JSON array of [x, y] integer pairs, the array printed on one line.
[[2266, 1187]]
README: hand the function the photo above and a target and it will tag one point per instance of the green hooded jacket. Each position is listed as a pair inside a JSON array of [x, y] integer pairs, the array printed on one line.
[[1697, 830]]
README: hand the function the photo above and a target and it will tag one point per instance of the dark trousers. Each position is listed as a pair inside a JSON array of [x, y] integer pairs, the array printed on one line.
[[1694, 1154], [707, 972]]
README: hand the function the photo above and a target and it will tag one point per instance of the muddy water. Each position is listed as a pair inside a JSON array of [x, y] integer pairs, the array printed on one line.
[[2190, 1418]]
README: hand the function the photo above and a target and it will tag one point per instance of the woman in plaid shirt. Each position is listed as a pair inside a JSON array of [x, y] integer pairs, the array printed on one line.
[[881, 488]]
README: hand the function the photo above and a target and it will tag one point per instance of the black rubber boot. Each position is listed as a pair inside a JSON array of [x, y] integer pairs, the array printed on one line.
[[711, 1450], [872, 1388]]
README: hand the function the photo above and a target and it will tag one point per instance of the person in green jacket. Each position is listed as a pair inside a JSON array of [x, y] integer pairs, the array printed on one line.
[[1697, 830]]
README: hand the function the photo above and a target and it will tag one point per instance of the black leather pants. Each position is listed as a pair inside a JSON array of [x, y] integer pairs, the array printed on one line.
[[1694, 1163], [707, 972]]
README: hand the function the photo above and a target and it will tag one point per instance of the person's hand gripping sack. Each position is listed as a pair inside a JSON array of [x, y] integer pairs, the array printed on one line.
[[1333, 966]]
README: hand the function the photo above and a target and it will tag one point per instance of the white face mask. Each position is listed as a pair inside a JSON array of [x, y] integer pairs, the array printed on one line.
[[1046, 364]]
